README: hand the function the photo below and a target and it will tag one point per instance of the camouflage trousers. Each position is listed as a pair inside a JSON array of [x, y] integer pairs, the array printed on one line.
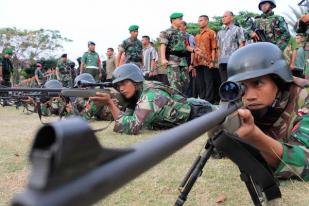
[[178, 77]]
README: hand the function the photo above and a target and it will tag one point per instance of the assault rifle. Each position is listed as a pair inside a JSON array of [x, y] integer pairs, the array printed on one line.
[[251, 23], [70, 167]]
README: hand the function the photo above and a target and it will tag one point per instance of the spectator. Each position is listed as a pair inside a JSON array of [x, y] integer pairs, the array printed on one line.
[[150, 56], [230, 38], [110, 63], [204, 62]]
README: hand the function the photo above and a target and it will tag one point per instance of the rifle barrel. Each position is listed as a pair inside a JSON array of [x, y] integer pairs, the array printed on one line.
[[111, 175]]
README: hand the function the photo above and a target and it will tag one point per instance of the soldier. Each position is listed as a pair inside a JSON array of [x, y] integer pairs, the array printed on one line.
[[276, 114], [85, 107], [65, 71], [6, 68], [149, 59], [173, 48], [38, 75], [91, 63], [152, 105], [274, 26], [132, 47], [230, 38]]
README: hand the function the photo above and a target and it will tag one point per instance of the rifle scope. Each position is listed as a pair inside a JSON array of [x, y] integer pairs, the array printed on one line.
[[83, 83], [231, 91]]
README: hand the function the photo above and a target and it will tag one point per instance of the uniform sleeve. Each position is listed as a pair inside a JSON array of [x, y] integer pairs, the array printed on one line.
[[142, 116], [295, 158], [163, 38], [89, 110], [282, 33], [84, 58], [122, 46]]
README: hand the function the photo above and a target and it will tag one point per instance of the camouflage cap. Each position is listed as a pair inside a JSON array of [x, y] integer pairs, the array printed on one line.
[[133, 28], [176, 15], [8, 52]]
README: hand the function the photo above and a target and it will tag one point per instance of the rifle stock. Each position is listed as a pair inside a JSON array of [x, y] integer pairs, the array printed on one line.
[[82, 173]]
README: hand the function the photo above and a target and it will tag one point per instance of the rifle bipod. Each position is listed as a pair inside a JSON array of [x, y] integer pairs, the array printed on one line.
[[254, 171]]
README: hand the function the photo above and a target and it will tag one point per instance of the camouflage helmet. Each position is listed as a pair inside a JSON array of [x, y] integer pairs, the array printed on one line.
[[128, 71], [85, 77], [272, 2], [258, 59], [53, 84]]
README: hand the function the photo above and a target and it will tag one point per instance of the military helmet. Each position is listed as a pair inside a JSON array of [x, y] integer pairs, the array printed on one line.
[[85, 77], [53, 84], [258, 59], [128, 71], [272, 2]]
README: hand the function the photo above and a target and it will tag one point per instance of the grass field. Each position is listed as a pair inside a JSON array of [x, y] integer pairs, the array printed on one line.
[[158, 186]]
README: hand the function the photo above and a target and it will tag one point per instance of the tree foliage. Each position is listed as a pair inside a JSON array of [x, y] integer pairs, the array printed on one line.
[[216, 24], [32, 44]]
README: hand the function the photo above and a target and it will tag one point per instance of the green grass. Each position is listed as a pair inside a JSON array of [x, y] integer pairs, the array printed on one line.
[[157, 186]]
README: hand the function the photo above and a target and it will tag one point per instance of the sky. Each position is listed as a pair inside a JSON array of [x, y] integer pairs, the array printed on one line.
[[106, 22]]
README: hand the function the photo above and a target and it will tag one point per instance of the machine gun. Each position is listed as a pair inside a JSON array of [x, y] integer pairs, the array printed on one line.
[[251, 24], [84, 172]]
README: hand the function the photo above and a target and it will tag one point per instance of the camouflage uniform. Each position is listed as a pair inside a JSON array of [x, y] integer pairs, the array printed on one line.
[[133, 51], [52, 106], [65, 73], [87, 110], [177, 69], [7, 70], [275, 28], [158, 107], [290, 127]]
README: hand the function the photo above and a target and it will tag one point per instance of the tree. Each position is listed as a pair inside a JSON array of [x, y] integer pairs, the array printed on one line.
[[32, 44], [216, 22]]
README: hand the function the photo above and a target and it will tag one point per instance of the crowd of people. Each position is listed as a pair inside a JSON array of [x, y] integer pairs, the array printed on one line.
[[276, 103]]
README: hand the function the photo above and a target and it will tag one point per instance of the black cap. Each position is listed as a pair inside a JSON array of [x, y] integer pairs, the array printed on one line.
[[64, 55], [91, 43]]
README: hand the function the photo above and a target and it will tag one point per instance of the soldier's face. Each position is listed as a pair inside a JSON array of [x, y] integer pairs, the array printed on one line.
[[259, 93], [178, 22], [266, 7], [91, 47], [126, 88], [7, 56], [134, 34]]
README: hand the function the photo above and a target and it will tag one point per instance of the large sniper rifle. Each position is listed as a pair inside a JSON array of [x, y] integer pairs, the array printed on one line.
[[70, 167]]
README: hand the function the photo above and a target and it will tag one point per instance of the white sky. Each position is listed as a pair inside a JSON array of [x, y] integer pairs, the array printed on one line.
[[106, 22]]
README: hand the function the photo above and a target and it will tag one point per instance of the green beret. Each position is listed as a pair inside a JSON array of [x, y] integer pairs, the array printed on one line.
[[8, 52], [133, 28], [176, 15]]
